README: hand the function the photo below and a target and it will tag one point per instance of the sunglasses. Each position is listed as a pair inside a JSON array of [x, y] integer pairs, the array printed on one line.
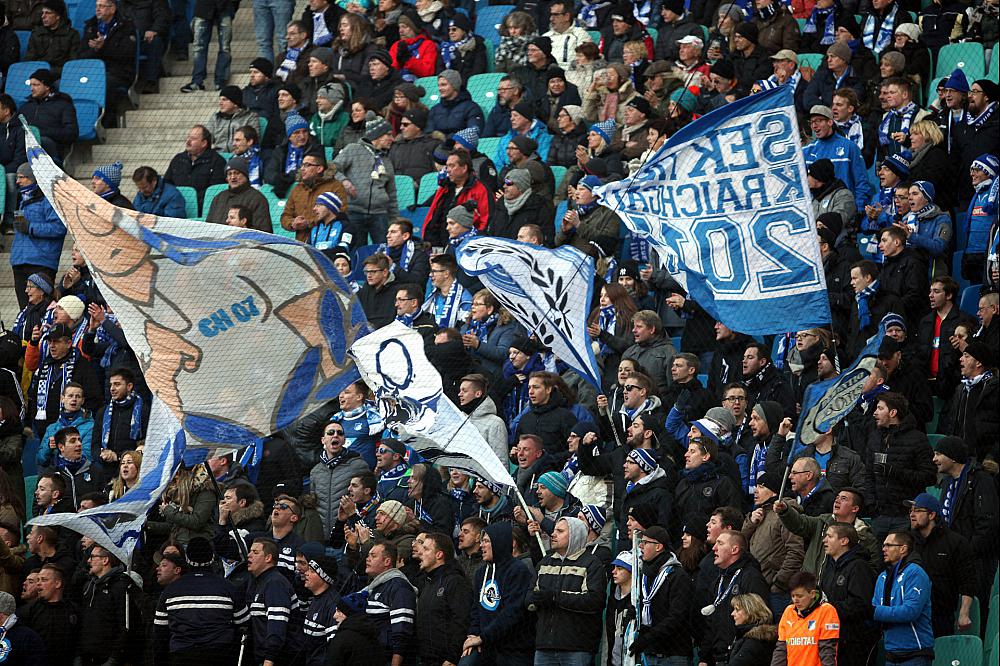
[[282, 506], [632, 387]]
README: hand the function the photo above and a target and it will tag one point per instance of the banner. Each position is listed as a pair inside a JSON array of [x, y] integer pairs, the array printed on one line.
[[117, 526], [411, 399], [239, 333], [826, 403], [548, 291], [727, 197]]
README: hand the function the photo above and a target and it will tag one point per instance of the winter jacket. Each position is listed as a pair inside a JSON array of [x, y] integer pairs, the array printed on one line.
[[948, 371], [564, 44], [413, 157], [451, 115], [741, 577], [444, 601], [118, 52], [207, 169], [562, 150], [655, 356], [535, 80], [812, 528], [352, 65], [302, 198], [54, 116], [909, 467], [434, 231], [499, 611], [87, 479], [551, 421], [103, 634], [848, 583], [391, 604], [655, 489], [274, 618], [902, 602], [12, 153], [971, 500], [263, 99], [435, 510], [848, 165], [753, 645], [491, 426], [780, 31], [329, 482], [356, 642], [356, 163], [699, 492], [246, 196], [670, 33], [53, 46], [932, 163], [750, 68], [379, 304], [880, 304], [80, 420], [835, 198], [537, 209], [778, 551], [538, 132], [58, 625], [906, 276], [166, 200], [598, 226], [668, 632], [947, 558], [471, 60], [416, 56], [223, 126], [932, 238], [119, 436], [769, 384], [184, 526], [568, 597]]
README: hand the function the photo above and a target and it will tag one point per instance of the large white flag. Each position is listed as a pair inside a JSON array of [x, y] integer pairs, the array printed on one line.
[[238, 332], [412, 401], [548, 291], [727, 198]]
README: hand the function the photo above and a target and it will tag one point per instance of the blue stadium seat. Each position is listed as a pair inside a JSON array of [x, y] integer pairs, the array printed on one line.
[[85, 81], [970, 299], [84, 10], [488, 20], [17, 85], [357, 259], [417, 217], [22, 37]]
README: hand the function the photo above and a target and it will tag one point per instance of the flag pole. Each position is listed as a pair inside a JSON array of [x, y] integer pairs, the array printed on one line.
[[527, 516]]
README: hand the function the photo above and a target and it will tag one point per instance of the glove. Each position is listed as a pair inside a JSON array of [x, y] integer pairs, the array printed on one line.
[[402, 55], [683, 402], [638, 647]]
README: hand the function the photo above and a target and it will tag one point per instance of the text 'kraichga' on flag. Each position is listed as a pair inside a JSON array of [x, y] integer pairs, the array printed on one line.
[[727, 196], [117, 526], [238, 332], [826, 403], [412, 402], [549, 292]]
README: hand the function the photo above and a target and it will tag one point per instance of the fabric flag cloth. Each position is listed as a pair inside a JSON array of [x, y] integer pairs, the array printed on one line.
[[117, 525], [239, 333], [827, 402], [727, 195], [549, 292], [411, 399]]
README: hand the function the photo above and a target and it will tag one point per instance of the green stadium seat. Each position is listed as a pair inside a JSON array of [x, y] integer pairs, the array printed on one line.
[[488, 145], [190, 201], [557, 174], [210, 194], [595, 35], [405, 192], [975, 615], [483, 89], [813, 60], [30, 483], [958, 651], [430, 86], [993, 73], [967, 56], [428, 186]]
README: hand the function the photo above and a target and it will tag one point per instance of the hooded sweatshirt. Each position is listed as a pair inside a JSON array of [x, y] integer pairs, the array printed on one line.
[[499, 614]]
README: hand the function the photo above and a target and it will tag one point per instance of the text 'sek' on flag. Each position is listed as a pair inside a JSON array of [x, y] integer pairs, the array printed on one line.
[[238, 332], [411, 400], [548, 291], [726, 197]]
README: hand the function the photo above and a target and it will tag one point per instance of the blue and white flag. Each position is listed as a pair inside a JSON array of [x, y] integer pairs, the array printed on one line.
[[117, 525], [238, 332], [826, 403], [728, 196], [548, 291], [413, 404]]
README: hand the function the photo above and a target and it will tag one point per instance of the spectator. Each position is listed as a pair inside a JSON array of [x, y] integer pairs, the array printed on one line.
[[764, 381], [846, 108], [272, 603], [152, 21], [461, 186], [260, 95], [109, 596], [52, 112], [24, 642], [749, 59], [12, 153], [967, 414], [38, 290], [778, 550], [463, 51], [652, 350], [291, 65], [378, 294], [848, 582], [319, 67], [802, 640], [315, 178], [240, 193], [564, 35], [415, 55], [902, 601], [938, 326], [521, 206], [829, 193], [105, 183], [75, 471], [231, 116], [811, 488], [589, 221], [981, 134], [330, 478], [908, 376], [282, 167], [38, 235], [443, 604], [55, 619], [321, 19], [356, 638], [156, 196], [187, 508], [391, 601], [456, 110], [702, 488], [110, 36], [217, 14], [425, 496], [53, 40], [412, 151], [664, 630], [330, 118], [268, 19], [320, 624], [755, 632], [903, 274], [848, 165], [380, 79], [198, 166], [930, 161], [123, 422], [368, 178]]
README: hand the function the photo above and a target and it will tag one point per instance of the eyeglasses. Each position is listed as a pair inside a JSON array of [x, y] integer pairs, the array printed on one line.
[[976, 92], [478, 304], [632, 387], [401, 299], [374, 271], [892, 545], [735, 398], [311, 164], [648, 542], [405, 123], [439, 270]]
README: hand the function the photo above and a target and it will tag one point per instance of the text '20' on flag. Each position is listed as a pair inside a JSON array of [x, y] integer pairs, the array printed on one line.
[[411, 399], [549, 292], [238, 332], [727, 197]]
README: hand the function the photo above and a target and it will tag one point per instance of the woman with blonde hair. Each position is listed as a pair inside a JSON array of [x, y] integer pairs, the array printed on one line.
[[609, 94], [930, 162], [188, 506], [129, 464], [756, 633], [516, 30], [490, 331]]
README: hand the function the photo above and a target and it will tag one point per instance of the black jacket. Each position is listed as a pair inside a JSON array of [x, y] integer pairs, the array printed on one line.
[[148, 15], [562, 150], [882, 303], [741, 577], [436, 511], [768, 384], [471, 63], [909, 466], [753, 645], [444, 600], [58, 625], [727, 363], [551, 421], [905, 276], [848, 584], [356, 639], [536, 210], [379, 304], [274, 165], [974, 509], [207, 169], [12, 145], [750, 68], [948, 559], [669, 633], [700, 492], [972, 415], [910, 380], [262, 100], [53, 46], [507, 629], [656, 492], [568, 600], [102, 620], [118, 52], [54, 116], [839, 292]]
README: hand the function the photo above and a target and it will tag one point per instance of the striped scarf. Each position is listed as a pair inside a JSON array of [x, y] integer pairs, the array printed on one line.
[[905, 116], [853, 130], [606, 320], [980, 120], [481, 328], [135, 422], [880, 43], [829, 24], [46, 376], [864, 310]]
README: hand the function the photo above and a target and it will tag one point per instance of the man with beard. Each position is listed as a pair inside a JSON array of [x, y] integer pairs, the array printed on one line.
[[314, 179], [763, 381]]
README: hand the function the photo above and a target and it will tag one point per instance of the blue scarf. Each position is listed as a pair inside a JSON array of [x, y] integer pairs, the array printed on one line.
[[588, 13], [252, 157], [321, 35], [571, 468], [461, 238], [288, 64], [109, 195], [638, 248], [867, 397], [449, 51], [27, 193], [73, 466], [829, 25], [981, 119], [482, 328], [606, 320], [102, 337], [394, 474], [587, 209], [401, 256], [135, 424], [784, 343], [293, 160], [905, 116], [885, 31], [951, 494], [853, 130], [757, 464], [864, 311], [45, 378], [407, 319], [104, 29], [446, 308], [699, 473]]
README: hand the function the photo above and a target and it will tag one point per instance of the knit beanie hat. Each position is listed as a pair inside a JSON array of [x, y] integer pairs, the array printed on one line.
[[988, 163], [453, 78], [589, 182], [595, 516], [709, 428], [952, 447], [237, 163], [899, 163], [24, 170], [606, 128], [555, 482], [525, 109], [324, 54], [462, 216], [292, 89], [575, 112], [644, 514], [748, 31], [847, 21], [771, 413], [495, 488], [644, 458], [520, 178], [525, 144], [110, 174], [911, 30], [544, 44], [375, 126], [926, 188], [418, 116], [684, 98], [233, 94], [73, 306], [893, 319], [199, 553], [822, 170], [263, 65], [410, 91], [957, 81], [723, 417], [42, 282], [44, 76], [733, 11], [841, 50], [294, 122], [468, 137], [331, 202], [393, 510], [981, 351]]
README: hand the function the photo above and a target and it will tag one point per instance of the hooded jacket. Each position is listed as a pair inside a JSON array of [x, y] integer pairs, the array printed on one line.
[[775, 547], [444, 601], [224, 125], [41, 244], [499, 612], [667, 631], [902, 601], [491, 427], [655, 489], [848, 584], [568, 597], [102, 621]]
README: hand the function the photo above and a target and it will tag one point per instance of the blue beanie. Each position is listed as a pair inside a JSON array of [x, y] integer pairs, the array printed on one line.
[[606, 128], [987, 163], [926, 187], [468, 137], [644, 458], [42, 282], [110, 174], [353, 603], [331, 202], [893, 319], [595, 516], [589, 182], [899, 163], [295, 122], [555, 482], [957, 81]]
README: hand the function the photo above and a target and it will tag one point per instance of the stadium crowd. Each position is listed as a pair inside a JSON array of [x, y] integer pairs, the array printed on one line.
[[338, 544]]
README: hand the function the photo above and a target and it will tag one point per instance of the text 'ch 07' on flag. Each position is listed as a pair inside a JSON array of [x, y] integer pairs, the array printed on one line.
[[726, 199]]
